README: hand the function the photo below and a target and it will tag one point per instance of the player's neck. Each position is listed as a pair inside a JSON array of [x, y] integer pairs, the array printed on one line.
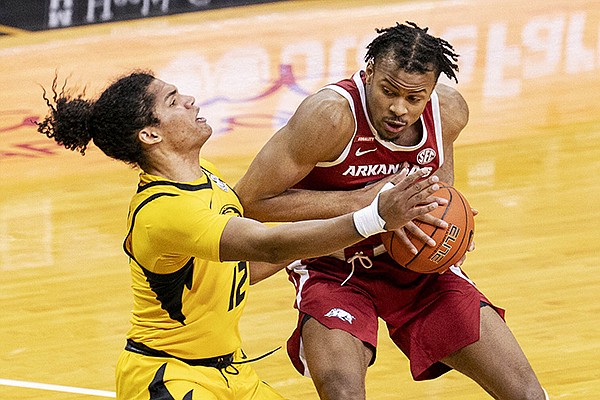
[[412, 136], [178, 168]]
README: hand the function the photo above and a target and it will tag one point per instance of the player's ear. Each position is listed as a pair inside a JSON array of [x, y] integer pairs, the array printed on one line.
[[149, 135], [369, 71]]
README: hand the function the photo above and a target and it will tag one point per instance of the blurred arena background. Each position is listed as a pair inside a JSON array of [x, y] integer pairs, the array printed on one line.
[[527, 161]]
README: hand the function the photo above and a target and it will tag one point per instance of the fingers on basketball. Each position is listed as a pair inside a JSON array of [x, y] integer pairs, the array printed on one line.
[[452, 242]]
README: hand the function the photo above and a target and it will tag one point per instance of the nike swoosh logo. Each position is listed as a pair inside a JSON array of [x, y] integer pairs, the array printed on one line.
[[360, 152]]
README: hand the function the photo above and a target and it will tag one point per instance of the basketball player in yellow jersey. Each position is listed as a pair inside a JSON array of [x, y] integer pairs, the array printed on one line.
[[175, 307], [189, 245], [190, 221]]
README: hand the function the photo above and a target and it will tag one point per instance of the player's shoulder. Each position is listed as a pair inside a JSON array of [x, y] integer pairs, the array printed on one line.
[[454, 109], [327, 110], [327, 100], [451, 99], [164, 197]]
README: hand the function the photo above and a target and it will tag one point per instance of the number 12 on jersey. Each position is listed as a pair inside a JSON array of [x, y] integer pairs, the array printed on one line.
[[240, 275]]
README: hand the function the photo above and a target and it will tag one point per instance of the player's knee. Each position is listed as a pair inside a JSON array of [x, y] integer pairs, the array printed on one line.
[[546, 394], [533, 392], [335, 391], [340, 385]]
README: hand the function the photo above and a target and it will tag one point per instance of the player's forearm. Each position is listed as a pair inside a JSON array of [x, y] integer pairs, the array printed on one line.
[[394, 206], [247, 239], [305, 239], [298, 205]]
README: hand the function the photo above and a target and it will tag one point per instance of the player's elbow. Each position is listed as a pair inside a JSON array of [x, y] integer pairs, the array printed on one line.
[[260, 271], [254, 279]]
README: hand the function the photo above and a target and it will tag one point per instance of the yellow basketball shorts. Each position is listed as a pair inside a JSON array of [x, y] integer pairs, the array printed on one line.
[[141, 377]]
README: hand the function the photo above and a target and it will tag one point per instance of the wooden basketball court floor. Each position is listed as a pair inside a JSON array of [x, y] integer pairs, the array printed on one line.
[[528, 161]]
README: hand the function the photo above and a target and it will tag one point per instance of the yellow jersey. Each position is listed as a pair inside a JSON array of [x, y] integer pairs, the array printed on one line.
[[186, 301]]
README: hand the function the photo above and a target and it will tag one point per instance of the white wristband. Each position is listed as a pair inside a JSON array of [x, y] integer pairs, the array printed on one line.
[[367, 221]]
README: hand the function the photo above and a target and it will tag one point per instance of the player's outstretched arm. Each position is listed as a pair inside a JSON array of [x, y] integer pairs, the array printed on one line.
[[395, 206], [246, 239]]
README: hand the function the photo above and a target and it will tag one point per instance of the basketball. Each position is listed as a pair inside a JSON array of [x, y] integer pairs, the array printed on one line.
[[451, 243]]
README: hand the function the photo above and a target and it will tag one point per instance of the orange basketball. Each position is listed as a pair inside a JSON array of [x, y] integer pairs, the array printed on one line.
[[451, 243]]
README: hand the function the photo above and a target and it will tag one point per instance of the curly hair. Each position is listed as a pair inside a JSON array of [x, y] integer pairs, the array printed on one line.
[[112, 121], [414, 50]]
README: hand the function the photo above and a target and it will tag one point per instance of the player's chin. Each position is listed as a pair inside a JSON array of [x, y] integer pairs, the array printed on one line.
[[205, 130], [388, 136], [203, 135]]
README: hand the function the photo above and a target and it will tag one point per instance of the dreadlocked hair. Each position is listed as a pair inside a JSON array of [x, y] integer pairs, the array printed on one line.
[[112, 121], [414, 50]]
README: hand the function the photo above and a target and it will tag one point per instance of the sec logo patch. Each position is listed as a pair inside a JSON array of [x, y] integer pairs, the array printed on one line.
[[426, 156]]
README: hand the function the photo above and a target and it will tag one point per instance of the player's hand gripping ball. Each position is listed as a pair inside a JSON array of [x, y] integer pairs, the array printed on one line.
[[452, 243]]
